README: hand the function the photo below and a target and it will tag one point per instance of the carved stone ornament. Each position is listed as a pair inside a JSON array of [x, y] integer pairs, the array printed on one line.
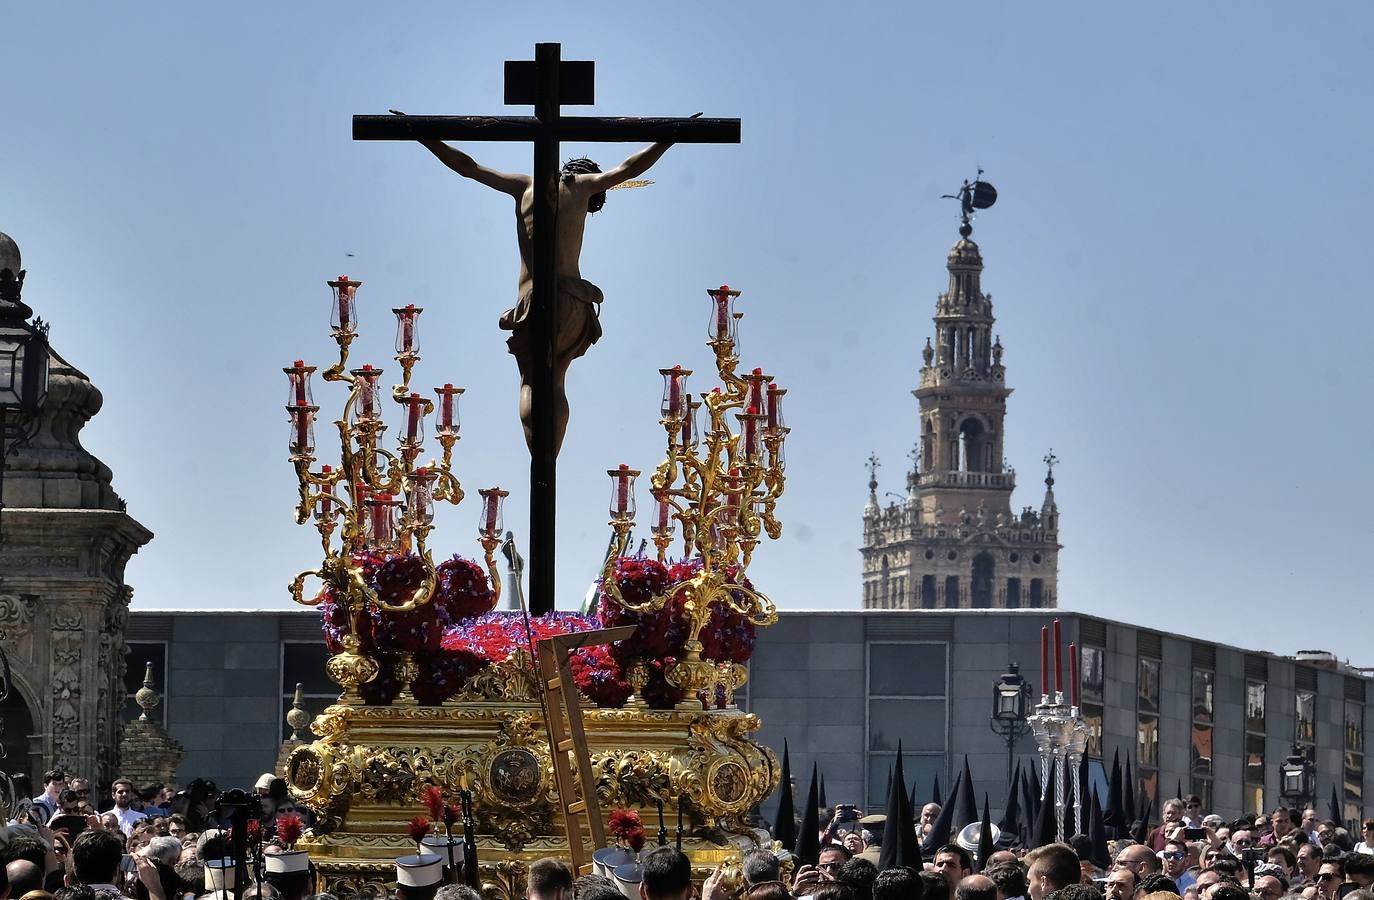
[[16, 615]]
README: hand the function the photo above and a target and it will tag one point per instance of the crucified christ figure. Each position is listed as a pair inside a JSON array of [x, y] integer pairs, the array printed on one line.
[[581, 189]]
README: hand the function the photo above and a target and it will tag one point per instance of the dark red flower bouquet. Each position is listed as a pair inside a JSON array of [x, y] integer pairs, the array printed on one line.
[[599, 677]]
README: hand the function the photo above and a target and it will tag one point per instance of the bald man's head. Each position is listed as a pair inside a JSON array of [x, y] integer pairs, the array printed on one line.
[[975, 887], [23, 877]]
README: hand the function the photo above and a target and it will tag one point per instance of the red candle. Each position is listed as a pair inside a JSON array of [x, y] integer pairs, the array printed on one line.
[[493, 499], [302, 430], [345, 303], [299, 379], [1044, 660], [772, 406], [756, 389], [1058, 661], [688, 421], [367, 397], [446, 408], [381, 510], [751, 432], [662, 515], [1073, 673], [675, 391], [413, 420], [622, 490], [326, 491], [723, 312]]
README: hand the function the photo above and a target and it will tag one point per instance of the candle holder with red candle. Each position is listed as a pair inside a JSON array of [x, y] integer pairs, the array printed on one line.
[[408, 330], [723, 486], [377, 485], [622, 506], [301, 410], [691, 436], [676, 400], [724, 327], [416, 408], [365, 410], [662, 529], [343, 317], [380, 510]]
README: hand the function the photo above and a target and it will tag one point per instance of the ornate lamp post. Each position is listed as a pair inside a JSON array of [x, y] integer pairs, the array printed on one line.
[[1297, 778], [1010, 698]]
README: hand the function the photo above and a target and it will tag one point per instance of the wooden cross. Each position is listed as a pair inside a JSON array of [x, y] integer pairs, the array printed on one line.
[[547, 83]]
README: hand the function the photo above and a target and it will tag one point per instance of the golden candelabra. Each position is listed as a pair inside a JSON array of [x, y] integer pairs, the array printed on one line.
[[722, 486], [388, 502]]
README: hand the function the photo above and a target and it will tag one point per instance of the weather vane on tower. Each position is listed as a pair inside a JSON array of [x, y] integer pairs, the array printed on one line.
[[976, 194]]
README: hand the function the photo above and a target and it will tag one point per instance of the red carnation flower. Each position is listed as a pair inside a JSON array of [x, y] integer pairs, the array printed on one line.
[[635, 839]]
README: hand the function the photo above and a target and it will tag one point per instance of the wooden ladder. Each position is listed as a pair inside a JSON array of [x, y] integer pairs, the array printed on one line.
[[563, 723]]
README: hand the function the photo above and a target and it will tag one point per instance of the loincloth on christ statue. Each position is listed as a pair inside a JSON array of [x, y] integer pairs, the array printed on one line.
[[576, 319]]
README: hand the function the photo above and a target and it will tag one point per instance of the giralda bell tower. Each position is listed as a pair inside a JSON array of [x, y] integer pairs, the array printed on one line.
[[955, 541]]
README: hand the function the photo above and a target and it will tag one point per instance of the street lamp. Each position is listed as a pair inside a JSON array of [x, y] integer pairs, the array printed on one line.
[[1010, 697], [23, 360], [1297, 778]]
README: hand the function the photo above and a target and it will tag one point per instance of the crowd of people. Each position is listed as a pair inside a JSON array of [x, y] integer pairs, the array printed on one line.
[[153, 842], [149, 842]]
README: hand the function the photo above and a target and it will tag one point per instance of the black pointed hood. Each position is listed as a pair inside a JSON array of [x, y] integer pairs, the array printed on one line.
[[785, 825], [1085, 821], [1116, 816], [985, 843], [900, 846], [967, 813], [1142, 828], [809, 841], [944, 823], [1132, 809], [1046, 828], [1101, 856], [1010, 822]]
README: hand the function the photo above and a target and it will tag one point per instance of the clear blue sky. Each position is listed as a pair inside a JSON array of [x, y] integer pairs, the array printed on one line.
[[1178, 263]]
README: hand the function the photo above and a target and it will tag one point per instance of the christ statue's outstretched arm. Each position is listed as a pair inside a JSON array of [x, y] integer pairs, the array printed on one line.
[[634, 166], [468, 167]]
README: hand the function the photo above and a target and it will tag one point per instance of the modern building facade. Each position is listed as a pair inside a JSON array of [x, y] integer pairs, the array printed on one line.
[[843, 687], [954, 542]]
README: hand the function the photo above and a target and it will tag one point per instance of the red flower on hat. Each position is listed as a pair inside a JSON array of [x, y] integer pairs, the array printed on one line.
[[623, 822], [418, 828], [451, 815], [289, 829], [433, 797], [254, 829]]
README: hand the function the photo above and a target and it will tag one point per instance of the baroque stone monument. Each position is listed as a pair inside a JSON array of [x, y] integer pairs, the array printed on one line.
[[65, 537]]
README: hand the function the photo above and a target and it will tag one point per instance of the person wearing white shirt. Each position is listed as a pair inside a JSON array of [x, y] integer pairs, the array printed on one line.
[[123, 792], [1366, 844]]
